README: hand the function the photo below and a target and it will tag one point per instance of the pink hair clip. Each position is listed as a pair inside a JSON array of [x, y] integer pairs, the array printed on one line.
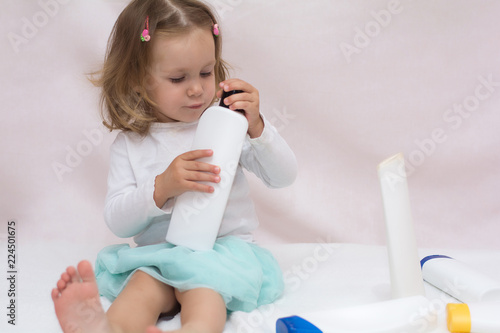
[[216, 29], [145, 37]]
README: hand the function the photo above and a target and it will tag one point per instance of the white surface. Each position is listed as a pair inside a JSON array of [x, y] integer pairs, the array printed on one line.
[[318, 276], [341, 115]]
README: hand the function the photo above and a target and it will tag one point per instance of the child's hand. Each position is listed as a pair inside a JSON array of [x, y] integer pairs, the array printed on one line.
[[184, 174], [248, 101]]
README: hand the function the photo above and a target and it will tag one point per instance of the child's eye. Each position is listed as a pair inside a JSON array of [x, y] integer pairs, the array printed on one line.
[[177, 80], [206, 74]]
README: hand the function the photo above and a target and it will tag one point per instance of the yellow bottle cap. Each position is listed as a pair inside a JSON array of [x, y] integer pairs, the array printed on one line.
[[458, 318]]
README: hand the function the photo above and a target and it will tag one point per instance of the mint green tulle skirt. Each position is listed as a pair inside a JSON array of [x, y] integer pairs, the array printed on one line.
[[244, 274]]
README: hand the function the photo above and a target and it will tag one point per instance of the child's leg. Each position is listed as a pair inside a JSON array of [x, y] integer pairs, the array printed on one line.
[[78, 308], [202, 311], [140, 303]]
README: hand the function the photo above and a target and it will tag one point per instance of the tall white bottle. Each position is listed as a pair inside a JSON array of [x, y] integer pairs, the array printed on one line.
[[197, 216], [404, 263]]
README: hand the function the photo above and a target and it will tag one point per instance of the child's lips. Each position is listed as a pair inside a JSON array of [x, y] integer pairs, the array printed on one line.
[[195, 106]]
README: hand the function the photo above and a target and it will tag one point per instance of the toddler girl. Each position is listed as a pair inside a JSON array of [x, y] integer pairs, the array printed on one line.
[[161, 71]]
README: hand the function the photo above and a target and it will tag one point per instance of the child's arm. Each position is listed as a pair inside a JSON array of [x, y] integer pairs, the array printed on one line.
[[270, 158], [266, 153], [129, 207], [133, 201]]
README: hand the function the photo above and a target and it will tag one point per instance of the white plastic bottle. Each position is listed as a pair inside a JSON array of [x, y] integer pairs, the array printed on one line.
[[459, 280], [403, 315], [196, 216], [406, 277], [474, 317]]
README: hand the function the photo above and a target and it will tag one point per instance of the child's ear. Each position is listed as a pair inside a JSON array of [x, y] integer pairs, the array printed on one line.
[[150, 83]]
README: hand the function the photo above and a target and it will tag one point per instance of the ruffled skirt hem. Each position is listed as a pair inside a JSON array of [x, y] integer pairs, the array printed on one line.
[[244, 274]]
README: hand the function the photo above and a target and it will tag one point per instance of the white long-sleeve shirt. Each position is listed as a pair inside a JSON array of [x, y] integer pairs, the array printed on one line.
[[135, 161]]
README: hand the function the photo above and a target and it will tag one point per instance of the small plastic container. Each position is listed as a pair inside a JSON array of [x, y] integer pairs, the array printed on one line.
[[459, 280], [197, 216], [474, 317]]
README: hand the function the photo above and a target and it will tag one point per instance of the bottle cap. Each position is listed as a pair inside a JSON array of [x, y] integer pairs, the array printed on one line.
[[295, 324], [458, 318], [435, 256], [227, 94]]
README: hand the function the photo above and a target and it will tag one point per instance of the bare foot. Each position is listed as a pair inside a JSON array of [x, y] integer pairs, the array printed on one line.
[[76, 301]]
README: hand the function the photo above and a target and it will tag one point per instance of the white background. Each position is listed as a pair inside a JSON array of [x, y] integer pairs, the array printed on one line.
[[347, 83]]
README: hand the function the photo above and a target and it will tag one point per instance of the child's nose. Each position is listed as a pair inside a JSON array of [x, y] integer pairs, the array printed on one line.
[[195, 89]]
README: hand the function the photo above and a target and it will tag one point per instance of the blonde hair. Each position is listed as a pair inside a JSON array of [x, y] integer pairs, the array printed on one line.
[[125, 103]]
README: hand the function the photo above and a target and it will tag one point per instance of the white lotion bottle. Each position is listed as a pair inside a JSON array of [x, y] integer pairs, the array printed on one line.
[[459, 280], [404, 263], [197, 216], [403, 315]]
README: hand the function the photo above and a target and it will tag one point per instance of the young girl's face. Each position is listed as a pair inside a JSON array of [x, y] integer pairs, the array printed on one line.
[[182, 81]]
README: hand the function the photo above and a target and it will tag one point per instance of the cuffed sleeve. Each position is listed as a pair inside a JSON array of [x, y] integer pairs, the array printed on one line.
[[270, 158]]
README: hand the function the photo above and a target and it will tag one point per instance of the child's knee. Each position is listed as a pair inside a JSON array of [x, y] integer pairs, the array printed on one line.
[[152, 291]]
